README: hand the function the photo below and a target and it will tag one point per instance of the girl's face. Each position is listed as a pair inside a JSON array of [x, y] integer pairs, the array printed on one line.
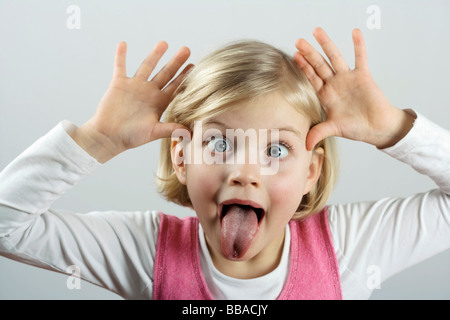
[[244, 193]]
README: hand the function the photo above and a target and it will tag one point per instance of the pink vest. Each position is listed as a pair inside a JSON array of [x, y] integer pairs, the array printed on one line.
[[313, 271]]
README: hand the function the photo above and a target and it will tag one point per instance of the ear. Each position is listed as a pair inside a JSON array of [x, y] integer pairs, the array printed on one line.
[[315, 169], [178, 163]]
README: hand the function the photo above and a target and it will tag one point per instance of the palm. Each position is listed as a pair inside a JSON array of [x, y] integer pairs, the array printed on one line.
[[344, 103]]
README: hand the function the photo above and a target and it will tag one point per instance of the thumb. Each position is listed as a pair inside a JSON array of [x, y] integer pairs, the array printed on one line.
[[319, 132], [166, 130]]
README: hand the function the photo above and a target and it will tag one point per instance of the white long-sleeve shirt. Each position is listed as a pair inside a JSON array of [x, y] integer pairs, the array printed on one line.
[[116, 250]]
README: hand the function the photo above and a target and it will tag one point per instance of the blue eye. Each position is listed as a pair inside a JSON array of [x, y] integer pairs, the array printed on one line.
[[218, 145], [277, 151]]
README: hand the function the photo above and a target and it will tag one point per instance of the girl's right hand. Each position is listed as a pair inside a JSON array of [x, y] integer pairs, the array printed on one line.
[[129, 113]]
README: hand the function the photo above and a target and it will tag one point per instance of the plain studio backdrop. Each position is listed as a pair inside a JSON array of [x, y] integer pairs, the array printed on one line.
[[56, 62]]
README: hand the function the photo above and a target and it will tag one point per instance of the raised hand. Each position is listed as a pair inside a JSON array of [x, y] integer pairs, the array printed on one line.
[[129, 113], [355, 106]]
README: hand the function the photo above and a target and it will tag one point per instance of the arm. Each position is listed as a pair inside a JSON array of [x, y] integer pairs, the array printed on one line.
[[113, 249], [390, 234], [100, 244]]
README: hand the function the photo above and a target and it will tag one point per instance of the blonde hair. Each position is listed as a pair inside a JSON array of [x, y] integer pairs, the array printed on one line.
[[238, 72]]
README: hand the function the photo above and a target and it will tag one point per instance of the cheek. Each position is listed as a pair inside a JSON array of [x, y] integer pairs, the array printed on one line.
[[286, 189], [202, 182]]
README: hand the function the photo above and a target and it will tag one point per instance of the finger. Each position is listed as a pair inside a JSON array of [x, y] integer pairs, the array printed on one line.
[[315, 59], [360, 50], [165, 130], [172, 67], [170, 89], [120, 60], [312, 76], [320, 132], [330, 50], [148, 65]]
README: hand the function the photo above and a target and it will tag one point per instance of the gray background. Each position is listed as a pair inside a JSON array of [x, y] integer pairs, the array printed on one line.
[[49, 73]]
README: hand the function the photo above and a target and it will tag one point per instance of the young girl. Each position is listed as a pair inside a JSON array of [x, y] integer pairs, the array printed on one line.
[[262, 228]]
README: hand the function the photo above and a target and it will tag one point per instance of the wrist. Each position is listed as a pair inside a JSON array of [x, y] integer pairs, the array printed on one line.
[[398, 123], [96, 144]]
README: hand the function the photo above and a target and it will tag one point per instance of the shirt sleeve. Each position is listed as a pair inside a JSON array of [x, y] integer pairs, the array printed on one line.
[[114, 250], [375, 240]]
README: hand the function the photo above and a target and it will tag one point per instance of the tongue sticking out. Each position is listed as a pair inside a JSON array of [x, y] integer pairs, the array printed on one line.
[[239, 227]]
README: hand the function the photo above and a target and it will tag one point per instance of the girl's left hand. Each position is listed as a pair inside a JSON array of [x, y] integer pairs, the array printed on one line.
[[355, 106]]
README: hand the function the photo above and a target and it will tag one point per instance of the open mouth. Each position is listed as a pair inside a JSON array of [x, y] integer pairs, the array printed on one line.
[[239, 224], [247, 208]]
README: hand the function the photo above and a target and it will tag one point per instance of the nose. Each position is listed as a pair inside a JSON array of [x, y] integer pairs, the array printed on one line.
[[245, 175]]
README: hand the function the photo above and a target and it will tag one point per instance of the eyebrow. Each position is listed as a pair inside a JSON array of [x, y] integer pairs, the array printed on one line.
[[224, 126]]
